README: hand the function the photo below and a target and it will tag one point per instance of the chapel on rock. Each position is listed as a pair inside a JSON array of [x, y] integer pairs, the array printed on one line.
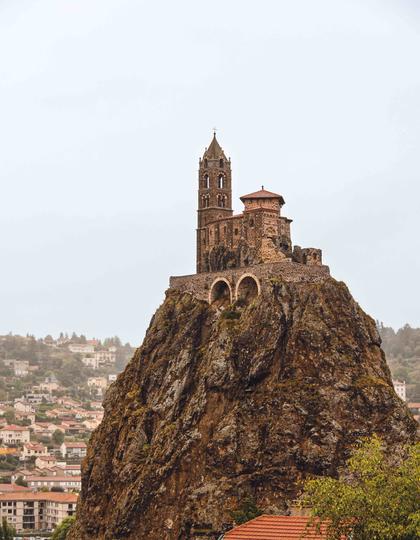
[[260, 234], [241, 256]]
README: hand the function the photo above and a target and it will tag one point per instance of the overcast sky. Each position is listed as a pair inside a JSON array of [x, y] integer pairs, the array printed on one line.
[[106, 106]]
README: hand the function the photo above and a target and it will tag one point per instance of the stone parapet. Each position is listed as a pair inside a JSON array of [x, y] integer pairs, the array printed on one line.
[[201, 284]]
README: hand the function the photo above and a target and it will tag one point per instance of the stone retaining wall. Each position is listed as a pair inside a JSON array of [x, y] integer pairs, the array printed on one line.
[[200, 284]]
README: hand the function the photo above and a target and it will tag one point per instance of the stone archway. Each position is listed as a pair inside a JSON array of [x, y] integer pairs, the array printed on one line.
[[220, 293], [247, 288]]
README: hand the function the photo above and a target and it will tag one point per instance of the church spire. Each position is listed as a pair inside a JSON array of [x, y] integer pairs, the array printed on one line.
[[214, 151]]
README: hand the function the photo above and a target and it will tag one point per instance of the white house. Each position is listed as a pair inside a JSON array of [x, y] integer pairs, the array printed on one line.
[[400, 389], [91, 361], [81, 348], [23, 407], [73, 449], [12, 434], [21, 368], [44, 462], [97, 382], [105, 357], [33, 450]]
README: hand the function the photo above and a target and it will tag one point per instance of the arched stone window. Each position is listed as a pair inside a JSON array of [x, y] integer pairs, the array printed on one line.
[[206, 163], [247, 289], [206, 181], [220, 293], [221, 163], [221, 181], [205, 201]]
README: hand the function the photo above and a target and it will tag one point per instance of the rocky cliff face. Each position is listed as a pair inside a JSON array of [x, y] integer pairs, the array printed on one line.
[[212, 410]]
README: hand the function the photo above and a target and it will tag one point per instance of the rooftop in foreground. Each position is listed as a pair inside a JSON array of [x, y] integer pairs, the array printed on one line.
[[276, 528]]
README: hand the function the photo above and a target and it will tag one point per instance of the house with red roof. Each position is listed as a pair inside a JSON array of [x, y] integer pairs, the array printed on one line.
[[12, 434], [267, 527], [73, 449]]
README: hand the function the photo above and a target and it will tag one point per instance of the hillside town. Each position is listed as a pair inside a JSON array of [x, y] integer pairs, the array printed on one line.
[[51, 393]]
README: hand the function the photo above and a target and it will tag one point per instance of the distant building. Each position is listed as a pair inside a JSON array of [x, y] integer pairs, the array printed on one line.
[[105, 357], [400, 389], [49, 387], [13, 488], [36, 511], [46, 461], [73, 449], [65, 482], [415, 410], [91, 362], [97, 382], [30, 450], [45, 429], [81, 348], [25, 416], [21, 368], [12, 434], [23, 407], [36, 399]]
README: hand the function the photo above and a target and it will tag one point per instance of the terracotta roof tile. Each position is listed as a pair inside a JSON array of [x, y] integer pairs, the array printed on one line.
[[13, 427], [275, 528], [8, 488], [40, 496], [262, 194]]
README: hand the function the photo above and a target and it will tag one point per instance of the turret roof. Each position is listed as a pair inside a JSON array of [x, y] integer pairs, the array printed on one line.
[[214, 151], [262, 194]]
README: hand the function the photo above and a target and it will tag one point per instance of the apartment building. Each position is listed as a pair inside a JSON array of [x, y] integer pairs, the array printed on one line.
[[36, 511], [73, 449], [66, 482]]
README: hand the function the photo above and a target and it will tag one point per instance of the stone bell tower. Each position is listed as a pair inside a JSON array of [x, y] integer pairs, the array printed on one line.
[[214, 193]]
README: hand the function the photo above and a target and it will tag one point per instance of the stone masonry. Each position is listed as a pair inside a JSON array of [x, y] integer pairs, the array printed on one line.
[[238, 256]]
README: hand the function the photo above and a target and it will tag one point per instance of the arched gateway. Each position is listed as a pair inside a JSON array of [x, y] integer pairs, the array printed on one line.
[[220, 293], [247, 288]]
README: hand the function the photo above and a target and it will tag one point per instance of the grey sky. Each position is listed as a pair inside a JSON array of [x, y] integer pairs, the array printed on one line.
[[106, 105]]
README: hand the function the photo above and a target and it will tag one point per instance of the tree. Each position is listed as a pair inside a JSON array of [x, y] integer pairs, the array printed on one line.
[[6, 531], [377, 499], [9, 414], [246, 511], [21, 482], [60, 532], [58, 437]]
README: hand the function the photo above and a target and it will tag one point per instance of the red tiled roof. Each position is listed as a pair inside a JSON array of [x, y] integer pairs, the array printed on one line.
[[68, 478], [75, 444], [12, 488], [262, 194], [13, 427], [40, 496], [275, 528]]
